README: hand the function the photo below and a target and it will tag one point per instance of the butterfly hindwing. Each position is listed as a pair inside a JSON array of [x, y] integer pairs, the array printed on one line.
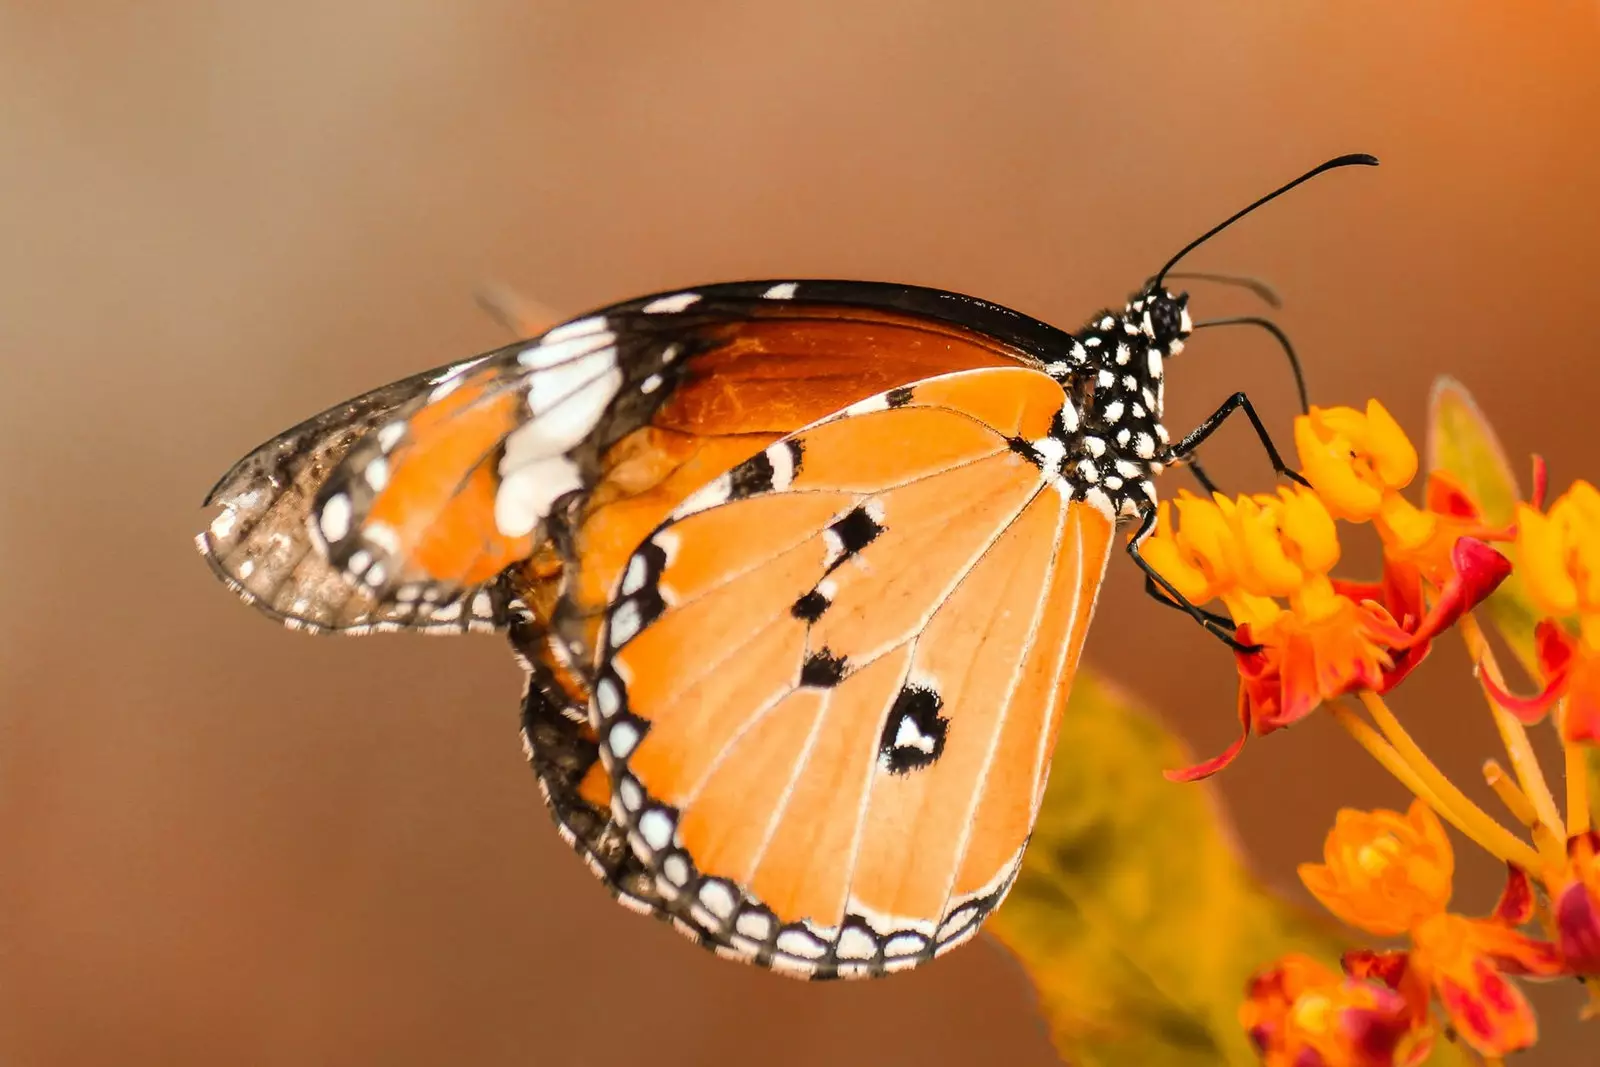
[[812, 670]]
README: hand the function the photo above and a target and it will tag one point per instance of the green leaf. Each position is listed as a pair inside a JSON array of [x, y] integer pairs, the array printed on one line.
[[1462, 443], [1134, 915]]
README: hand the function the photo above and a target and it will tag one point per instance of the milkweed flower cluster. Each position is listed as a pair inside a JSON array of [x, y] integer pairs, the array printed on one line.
[[1311, 639]]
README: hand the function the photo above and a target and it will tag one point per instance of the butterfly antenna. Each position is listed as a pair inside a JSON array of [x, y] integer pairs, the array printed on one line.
[[1355, 159], [1267, 293], [1283, 339]]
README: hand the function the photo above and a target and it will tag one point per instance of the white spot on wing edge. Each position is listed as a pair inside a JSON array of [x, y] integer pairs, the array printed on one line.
[[625, 623], [633, 580], [390, 435], [622, 738], [384, 536], [655, 826], [553, 354], [222, 525], [606, 698], [334, 520], [454, 371], [781, 291], [575, 328], [781, 456], [670, 305], [719, 901]]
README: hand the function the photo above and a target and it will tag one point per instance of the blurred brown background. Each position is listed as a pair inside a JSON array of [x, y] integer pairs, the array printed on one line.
[[222, 842]]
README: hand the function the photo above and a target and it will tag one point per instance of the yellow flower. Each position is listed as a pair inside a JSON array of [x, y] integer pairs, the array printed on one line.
[[1356, 460], [1560, 552]]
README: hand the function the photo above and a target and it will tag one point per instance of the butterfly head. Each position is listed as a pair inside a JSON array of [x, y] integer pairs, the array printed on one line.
[[1162, 317]]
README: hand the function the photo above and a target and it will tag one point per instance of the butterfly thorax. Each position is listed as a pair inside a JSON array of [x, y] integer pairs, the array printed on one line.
[[1111, 431]]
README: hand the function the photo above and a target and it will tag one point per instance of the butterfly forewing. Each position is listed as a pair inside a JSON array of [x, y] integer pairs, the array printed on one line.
[[261, 545]]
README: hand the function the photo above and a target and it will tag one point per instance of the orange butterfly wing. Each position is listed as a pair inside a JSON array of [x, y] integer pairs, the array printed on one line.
[[751, 381], [828, 684]]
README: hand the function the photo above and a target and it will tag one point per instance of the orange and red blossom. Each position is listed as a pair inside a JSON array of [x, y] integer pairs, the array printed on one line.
[[1389, 874], [1575, 903], [1559, 559], [1382, 871], [1333, 637], [1300, 1013]]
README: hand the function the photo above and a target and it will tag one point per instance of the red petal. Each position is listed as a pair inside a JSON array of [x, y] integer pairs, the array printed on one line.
[[1578, 927], [1541, 480], [1515, 952], [1386, 967], [1446, 496], [1516, 900], [1488, 1011], [1358, 591], [1528, 710], [1207, 768], [1479, 570], [1555, 648]]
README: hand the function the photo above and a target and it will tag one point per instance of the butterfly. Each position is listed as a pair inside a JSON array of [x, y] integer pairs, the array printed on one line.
[[800, 572]]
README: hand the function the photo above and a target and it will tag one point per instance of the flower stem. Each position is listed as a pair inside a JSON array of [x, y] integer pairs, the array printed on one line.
[[1578, 814], [1518, 748], [1513, 798], [1472, 822], [1457, 807]]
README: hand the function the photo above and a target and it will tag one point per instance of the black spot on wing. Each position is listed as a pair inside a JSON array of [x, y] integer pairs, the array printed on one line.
[[810, 607], [823, 670], [752, 476], [773, 468], [852, 533], [914, 735]]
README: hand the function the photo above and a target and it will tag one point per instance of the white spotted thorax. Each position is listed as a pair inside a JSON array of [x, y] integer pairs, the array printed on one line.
[[1114, 375]]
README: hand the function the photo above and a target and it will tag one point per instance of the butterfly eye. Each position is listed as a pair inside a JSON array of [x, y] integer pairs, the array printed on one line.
[[1166, 319]]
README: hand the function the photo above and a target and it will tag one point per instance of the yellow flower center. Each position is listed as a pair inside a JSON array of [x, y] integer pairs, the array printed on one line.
[[1314, 1013], [1375, 856]]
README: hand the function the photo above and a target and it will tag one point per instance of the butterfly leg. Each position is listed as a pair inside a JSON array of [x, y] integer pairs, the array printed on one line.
[[1199, 474], [1183, 449], [1153, 591], [1210, 622]]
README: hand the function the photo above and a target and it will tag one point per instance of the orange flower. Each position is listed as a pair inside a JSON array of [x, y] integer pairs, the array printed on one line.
[[1390, 874], [1575, 899], [1333, 637], [1382, 871], [1300, 1013], [1347, 636]]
